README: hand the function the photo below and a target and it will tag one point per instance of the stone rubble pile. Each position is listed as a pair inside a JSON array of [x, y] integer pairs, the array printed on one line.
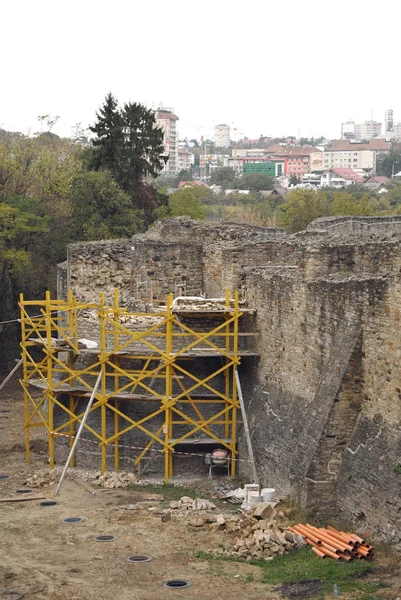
[[186, 503], [42, 479], [199, 306], [114, 480], [261, 533]]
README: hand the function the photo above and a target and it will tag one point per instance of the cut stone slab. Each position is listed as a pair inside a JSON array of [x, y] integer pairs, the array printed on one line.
[[265, 510]]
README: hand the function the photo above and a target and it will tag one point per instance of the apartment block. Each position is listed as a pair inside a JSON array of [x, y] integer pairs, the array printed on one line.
[[167, 120], [361, 131], [222, 136], [354, 155]]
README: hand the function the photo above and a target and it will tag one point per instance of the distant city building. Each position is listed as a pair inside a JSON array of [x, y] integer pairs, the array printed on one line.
[[298, 160], [361, 156], [340, 178], [222, 136], [186, 159], [363, 131], [397, 132], [389, 129], [348, 130], [268, 165], [167, 120]]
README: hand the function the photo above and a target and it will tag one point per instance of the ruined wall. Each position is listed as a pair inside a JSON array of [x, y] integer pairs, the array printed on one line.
[[324, 402], [138, 268], [324, 397]]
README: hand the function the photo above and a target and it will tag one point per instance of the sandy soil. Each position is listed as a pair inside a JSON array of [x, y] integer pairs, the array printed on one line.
[[44, 558]]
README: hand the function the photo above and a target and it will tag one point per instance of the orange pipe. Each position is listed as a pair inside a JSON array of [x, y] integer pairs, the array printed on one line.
[[357, 538], [301, 530], [326, 538], [338, 537], [362, 552], [323, 534], [318, 552], [345, 557], [331, 548], [331, 554], [334, 533]]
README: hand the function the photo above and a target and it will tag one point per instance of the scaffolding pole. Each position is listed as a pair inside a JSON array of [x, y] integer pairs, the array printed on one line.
[[128, 363]]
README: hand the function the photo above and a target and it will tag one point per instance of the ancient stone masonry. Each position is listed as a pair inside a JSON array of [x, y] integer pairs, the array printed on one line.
[[324, 397]]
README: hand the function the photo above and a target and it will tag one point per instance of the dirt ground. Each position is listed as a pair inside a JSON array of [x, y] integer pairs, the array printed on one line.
[[42, 558]]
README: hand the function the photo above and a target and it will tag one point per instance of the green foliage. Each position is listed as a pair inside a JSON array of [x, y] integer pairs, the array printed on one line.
[[186, 201], [390, 163], [397, 469], [128, 143], [224, 176], [101, 209], [303, 567], [256, 182], [185, 175], [301, 207], [393, 196]]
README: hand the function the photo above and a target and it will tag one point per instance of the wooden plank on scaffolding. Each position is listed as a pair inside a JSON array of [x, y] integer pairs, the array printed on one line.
[[194, 441]]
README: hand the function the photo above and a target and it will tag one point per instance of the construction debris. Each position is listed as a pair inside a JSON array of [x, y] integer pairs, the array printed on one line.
[[338, 545], [42, 479], [187, 503], [114, 480], [258, 538]]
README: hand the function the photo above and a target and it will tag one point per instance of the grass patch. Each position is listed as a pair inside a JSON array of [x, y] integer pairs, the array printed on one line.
[[170, 492], [302, 566]]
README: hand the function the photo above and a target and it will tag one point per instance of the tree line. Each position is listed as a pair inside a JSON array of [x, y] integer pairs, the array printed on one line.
[[54, 191]]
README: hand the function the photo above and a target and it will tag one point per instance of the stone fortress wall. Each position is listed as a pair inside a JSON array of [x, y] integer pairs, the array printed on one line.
[[324, 397]]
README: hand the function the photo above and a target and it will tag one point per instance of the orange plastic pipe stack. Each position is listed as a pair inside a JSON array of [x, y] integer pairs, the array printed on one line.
[[333, 543]]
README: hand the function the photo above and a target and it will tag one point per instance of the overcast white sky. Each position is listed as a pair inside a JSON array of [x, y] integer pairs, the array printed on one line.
[[269, 67]]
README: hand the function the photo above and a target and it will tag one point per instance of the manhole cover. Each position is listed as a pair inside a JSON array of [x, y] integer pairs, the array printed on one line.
[[105, 538], [176, 583], [73, 520], [48, 503], [23, 491], [140, 558], [2, 477]]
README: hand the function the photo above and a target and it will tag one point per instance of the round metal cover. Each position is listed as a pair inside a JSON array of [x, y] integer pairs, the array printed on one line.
[[73, 520], [23, 491], [176, 583], [48, 503], [3, 477], [105, 538], [139, 558]]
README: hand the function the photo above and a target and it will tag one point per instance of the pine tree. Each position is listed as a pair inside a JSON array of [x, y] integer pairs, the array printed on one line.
[[128, 143], [109, 137]]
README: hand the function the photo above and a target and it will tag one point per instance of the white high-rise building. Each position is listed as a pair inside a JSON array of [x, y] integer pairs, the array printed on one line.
[[389, 126], [167, 120], [222, 136], [360, 131]]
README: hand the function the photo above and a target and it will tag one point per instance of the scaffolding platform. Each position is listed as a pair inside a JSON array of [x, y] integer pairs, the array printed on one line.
[[161, 367]]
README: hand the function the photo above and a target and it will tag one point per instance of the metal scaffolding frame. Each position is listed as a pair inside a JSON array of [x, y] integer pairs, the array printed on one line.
[[54, 329]]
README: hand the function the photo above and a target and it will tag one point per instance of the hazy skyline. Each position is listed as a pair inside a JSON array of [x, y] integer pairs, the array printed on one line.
[[268, 68]]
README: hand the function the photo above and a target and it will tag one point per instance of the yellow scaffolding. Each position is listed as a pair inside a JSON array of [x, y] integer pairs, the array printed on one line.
[[160, 351]]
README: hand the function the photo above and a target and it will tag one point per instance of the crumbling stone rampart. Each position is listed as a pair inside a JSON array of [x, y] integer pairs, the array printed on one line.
[[324, 397]]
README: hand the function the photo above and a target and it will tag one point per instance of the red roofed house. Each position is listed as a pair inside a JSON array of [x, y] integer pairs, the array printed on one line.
[[379, 179], [340, 178]]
